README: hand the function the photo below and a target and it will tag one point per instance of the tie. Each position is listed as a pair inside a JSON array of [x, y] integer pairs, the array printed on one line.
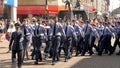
[[35, 31], [38, 30], [47, 31], [66, 30], [86, 28], [54, 29]]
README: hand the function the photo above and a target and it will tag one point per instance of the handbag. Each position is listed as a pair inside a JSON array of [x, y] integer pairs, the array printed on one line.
[[7, 36]]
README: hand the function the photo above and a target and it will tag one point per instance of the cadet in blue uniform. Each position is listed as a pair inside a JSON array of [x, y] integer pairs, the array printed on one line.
[[75, 41], [105, 40], [100, 29], [94, 35], [70, 32], [87, 31], [49, 34], [16, 47], [34, 37], [40, 37], [79, 33], [117, 33], [26, 32], [56, 39]]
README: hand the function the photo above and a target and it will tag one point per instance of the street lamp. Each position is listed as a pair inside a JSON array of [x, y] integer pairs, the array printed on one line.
[[46, 9]]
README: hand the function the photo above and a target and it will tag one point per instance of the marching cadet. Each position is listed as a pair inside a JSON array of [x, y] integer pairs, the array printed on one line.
[[70, 32], [75, 41], [79, 33], [16, 47], [34, 37], [110, 36], [56, 39], [94, 35], [100, 29], [87, 31], [105, 40], [40, 33], [26, 32], [48, 39], [117, 33]]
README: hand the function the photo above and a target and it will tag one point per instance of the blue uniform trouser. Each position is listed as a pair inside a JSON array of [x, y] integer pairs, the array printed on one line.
[[55, 47], [48, 46], [117, 42], [38, 55], [105, 44], [19, 55], [79, 44], [34, 44], [26, 42], [87, 46], [93, 43], [67, 47], [61, 45]]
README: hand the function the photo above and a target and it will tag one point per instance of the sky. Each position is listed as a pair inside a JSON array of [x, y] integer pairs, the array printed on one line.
[[114, 4]]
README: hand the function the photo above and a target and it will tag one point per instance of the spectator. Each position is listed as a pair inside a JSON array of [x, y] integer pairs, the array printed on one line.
[[10, 30], [1, 30]]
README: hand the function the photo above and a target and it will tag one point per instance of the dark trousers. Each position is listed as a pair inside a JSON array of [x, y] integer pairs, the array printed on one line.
[[117, 42], [26, 42], [48, 46], [87, 46], [61, 45], [67, 47], [74, 45], [80, 45], [93, 43], [19, 56], [55, 48], [34, 42], [38, 55], [105, 44]]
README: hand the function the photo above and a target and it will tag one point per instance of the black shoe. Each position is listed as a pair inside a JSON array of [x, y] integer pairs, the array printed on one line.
[[118, 53], [36, 62], [82, 54], [53, 63], [40, 60], [76, 54], [32, 58], [19, 66], [99, 54], [65, 60], [50, 56], [58, 59]]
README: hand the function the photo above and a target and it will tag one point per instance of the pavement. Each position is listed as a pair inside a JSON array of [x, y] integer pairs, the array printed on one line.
[[94, 61]]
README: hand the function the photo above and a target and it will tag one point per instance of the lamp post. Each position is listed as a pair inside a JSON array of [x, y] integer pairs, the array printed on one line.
[[46, 9]]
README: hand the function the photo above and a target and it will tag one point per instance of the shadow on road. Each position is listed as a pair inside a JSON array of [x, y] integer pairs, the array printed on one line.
[[95, 61]]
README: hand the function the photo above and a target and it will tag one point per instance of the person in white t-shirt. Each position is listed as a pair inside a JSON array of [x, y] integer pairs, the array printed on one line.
[[10, 30]]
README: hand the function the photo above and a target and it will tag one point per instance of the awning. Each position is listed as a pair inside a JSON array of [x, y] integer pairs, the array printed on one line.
[[37, 9], [31, 9], [53, 9]]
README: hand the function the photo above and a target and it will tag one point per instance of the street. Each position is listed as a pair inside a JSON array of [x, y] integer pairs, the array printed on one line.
[[94, 61]]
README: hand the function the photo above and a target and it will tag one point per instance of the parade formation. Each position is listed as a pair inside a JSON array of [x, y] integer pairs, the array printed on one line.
[[73, 37]]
